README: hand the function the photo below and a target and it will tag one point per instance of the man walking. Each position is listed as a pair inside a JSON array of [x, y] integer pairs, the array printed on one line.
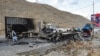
[[14, 36]]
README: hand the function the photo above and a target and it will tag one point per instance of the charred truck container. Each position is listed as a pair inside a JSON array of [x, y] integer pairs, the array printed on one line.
[[22, 26]]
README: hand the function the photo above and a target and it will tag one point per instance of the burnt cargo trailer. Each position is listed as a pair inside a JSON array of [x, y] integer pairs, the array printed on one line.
[[22, 26]]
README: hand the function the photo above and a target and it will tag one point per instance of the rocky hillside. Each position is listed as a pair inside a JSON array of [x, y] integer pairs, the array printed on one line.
[[44, 12]]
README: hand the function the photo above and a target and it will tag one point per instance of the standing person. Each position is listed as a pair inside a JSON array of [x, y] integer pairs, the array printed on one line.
[[88, 29], [14, 36]]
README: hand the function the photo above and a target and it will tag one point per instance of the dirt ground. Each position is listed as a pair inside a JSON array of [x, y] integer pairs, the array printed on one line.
[[79, 48], [10, 48], [38, 47]]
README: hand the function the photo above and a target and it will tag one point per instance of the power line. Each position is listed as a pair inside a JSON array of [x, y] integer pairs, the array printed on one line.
[[82, 7], [89, 12], [93, 4]]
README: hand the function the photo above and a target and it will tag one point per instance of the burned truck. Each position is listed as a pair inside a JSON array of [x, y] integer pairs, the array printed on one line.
[[21, 26], [25, 27], [55, 34]]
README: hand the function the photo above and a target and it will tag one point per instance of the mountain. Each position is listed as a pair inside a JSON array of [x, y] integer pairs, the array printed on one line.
[[44, 12]]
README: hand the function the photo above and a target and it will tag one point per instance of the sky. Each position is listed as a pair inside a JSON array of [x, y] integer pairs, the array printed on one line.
[[80, 7]]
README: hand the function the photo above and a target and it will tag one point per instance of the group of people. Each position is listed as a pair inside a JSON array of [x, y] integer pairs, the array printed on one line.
[[86, 30]]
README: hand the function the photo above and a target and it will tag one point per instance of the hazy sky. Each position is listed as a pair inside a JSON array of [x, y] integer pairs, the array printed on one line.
[[81, 7]]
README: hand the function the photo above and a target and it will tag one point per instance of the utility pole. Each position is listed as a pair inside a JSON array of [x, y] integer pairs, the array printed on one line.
[[94, 18], [93, 6]]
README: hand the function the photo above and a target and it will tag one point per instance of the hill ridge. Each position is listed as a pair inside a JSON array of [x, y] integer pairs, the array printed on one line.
[[44, 12]]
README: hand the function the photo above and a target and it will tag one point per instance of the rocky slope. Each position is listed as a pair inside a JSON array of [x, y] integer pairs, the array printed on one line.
[[44, 12]]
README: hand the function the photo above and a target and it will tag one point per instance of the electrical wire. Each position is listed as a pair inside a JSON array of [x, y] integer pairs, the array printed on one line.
[[82, 8], [89, 13]]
